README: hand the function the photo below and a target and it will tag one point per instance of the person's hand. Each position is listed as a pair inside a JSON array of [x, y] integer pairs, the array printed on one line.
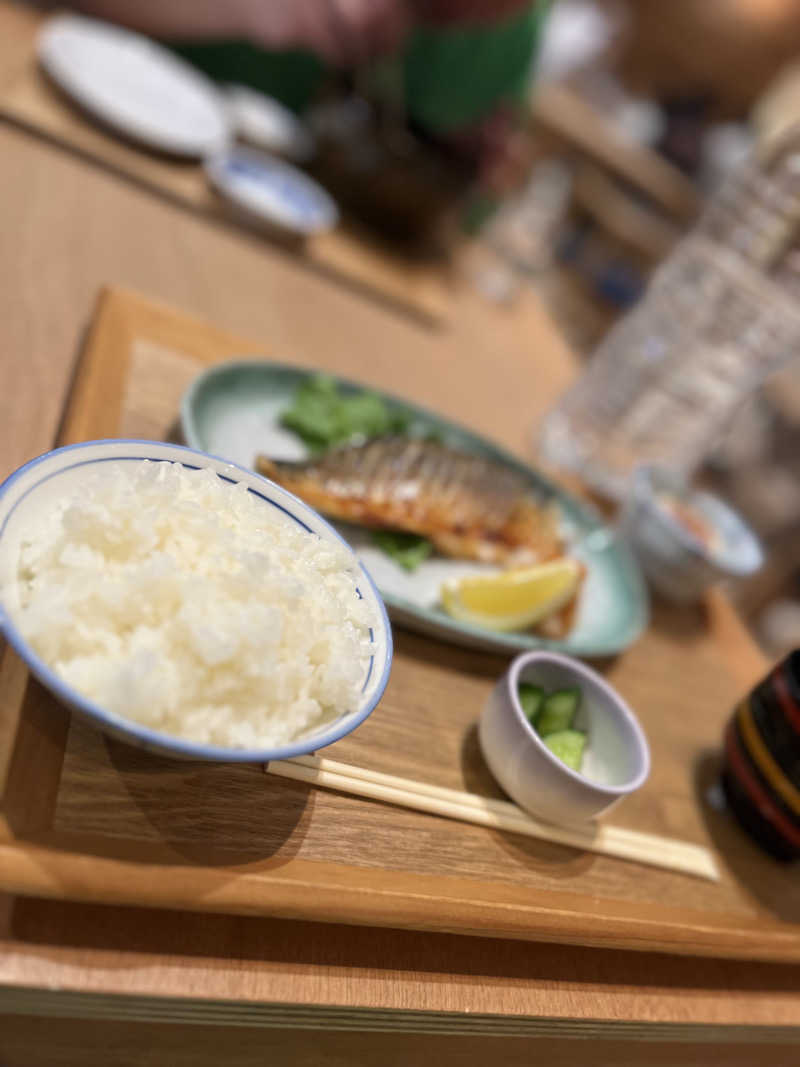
[[344, 32]]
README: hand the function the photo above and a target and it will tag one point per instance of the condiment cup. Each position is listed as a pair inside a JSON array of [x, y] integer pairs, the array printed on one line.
[[616, 760]]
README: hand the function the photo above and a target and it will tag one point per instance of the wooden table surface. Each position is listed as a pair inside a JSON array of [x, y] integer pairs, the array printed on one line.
[[239, 990], [348, 254]]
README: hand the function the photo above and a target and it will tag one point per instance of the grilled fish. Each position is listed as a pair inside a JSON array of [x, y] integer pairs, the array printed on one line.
[[468, 506]]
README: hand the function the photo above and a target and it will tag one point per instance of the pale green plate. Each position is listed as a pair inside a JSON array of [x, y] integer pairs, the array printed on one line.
[[233, 411]]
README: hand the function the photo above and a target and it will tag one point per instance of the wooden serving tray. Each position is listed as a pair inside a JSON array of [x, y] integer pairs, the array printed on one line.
[[86, 818]]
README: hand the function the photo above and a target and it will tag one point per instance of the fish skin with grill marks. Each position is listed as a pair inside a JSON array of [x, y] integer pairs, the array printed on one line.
[[469, 506]]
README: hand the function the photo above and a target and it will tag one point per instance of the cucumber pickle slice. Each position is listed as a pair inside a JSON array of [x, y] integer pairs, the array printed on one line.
[[557, 711], [568, 745]]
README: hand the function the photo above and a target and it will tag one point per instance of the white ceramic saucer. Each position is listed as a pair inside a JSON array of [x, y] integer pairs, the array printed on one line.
[[134, 86], [275, 192]]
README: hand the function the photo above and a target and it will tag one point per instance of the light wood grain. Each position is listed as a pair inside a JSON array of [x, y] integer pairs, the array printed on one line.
[[13, 681], [604, 839], [620, 214], [66, 1042], [35, 730], [19, 25], [62, 249], [403, 868], [257, 968], [29, 98], [70, 228], [563, 111]]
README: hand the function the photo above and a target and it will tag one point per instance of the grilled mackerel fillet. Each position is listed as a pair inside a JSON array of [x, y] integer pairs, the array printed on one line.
[[468, 506]]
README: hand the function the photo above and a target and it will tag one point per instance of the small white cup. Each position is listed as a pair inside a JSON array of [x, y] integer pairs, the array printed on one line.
[[617, 757]]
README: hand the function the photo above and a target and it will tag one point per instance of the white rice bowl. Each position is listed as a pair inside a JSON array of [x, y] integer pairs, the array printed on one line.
[[182, 602]]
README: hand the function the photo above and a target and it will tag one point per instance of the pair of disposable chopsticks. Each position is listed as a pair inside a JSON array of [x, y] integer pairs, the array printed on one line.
[[497, 814]]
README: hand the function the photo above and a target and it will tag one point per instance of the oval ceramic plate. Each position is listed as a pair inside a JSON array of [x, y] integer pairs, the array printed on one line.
[[267, 188], [233, 410], [134, 85]]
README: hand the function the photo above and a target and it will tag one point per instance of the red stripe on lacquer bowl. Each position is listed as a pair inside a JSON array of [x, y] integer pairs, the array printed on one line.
[[785, 699], [755, 791]]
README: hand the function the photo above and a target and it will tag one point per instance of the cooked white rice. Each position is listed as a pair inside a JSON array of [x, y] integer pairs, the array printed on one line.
[[184, 602]]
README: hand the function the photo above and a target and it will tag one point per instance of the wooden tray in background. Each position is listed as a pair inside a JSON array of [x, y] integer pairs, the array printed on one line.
[[85, 818]]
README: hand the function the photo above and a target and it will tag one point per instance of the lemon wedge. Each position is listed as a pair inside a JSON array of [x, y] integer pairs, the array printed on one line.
[[513, 599]]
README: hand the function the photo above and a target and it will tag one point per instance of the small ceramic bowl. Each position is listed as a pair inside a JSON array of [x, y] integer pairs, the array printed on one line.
[[264, 122], [682, 560], [26, 498], [616, 760], [269, 190]]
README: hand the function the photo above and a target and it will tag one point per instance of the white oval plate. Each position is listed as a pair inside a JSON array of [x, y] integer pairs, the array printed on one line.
[[234, 410], [134, 86]]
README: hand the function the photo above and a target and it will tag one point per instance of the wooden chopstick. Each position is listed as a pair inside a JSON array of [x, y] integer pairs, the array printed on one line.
[[616, 841]]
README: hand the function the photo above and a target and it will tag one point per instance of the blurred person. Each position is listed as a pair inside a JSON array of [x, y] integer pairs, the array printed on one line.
[[464, 65], [343, 32]]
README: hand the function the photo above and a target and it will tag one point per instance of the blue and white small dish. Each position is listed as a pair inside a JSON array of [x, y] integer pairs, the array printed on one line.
[[28, 496], [275, 192], [682, 559]]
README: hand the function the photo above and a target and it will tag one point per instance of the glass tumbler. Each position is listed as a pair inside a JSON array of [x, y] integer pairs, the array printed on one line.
[[720, 315]]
